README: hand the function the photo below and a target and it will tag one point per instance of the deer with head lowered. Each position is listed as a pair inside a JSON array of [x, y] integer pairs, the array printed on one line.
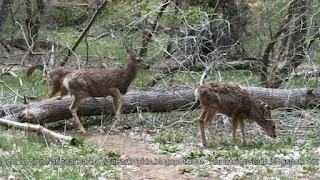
[[234, 102], [55, 79], [95, 82]]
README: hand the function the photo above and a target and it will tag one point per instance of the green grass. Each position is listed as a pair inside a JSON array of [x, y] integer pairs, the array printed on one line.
[[204, 173], [41, 158], [195, 155], [170, 149], [32, 86], [4, 145], [171, 136]]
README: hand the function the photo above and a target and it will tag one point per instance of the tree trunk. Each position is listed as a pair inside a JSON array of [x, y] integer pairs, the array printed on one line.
[[55, 109], [147, 39], [283, 29], [297, 52], [4, 11]]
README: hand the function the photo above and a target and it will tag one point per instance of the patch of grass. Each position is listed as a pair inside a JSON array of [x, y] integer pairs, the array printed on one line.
[[178, 136], [32, 86], [40, 158], [311, 168], [195, 155], [170, 149], [310, 143], [160, 138], [171, 136], [255, 145], [185, 170], [204, 173], [5, 145], [269, 170], [288, 141], [226, 143], [283, 151], [310, 156]]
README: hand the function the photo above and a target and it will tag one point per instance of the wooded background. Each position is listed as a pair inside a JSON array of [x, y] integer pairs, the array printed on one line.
[[273, 42]]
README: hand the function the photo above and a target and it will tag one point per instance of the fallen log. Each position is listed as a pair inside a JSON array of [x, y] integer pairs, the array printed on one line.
[[55, 109], [170, 66]]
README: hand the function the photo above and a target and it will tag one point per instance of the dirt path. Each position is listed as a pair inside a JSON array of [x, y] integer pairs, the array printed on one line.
[[133, 148]]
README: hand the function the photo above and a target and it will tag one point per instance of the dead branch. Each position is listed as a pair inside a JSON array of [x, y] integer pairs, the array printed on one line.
[[34, 128], [99, 10]]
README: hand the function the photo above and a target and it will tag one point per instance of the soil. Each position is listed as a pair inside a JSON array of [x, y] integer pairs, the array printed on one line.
[[134, 148]]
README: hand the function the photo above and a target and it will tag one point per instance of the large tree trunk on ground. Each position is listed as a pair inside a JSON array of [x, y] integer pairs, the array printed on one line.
[[51, 110], [170, 66]]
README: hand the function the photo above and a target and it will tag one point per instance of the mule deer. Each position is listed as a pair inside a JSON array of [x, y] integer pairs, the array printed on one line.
[[234, 102], [55, 79], [95, 82]]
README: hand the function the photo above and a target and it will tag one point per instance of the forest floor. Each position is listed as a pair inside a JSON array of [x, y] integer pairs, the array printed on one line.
[[130, 148], [140, 149], [140, 144]]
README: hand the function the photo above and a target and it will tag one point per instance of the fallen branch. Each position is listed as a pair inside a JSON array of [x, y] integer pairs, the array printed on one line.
[[34, 128]]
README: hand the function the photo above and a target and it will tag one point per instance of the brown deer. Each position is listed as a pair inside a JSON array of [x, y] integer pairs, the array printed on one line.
[[55, 79], [95, 82], [234, 102]]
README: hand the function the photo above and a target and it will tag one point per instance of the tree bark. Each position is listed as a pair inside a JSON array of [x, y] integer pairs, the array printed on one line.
[[296, 53], [55, 109], [283, 29], [147, 39], [4, 11]]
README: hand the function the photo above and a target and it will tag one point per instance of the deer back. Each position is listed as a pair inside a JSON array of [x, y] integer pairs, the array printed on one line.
[[56, 75], [224, 98]]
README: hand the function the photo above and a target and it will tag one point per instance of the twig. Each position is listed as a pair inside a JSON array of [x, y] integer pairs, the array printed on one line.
[[189, 122], [11, 89]]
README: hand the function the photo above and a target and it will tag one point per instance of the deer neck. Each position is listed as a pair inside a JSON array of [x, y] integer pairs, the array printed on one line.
[[130, 72], [256, 115]]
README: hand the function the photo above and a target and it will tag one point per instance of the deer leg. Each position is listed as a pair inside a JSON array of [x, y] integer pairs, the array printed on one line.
[[201, 124], [234, 122], [208, 121], [63, 91], [117, 101], [73, 109], [241, 122], [52, 92]]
